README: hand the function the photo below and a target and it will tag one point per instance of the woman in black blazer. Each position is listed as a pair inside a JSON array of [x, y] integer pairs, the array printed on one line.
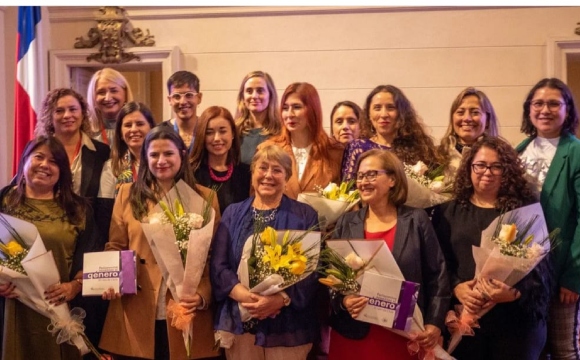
[[410, 236]]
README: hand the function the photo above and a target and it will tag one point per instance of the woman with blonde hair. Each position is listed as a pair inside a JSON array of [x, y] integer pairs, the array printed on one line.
[[257, 116], [108, 91], [315, 156], [471, 117]]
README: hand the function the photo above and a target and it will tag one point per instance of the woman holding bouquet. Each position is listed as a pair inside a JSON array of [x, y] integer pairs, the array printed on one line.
[[284, 324], [216, 160], [315, 156], [490, 180], [472, 116], [551, 155], [44, 196], [394, 125], [257, 116], [136, 325], [410, 236]]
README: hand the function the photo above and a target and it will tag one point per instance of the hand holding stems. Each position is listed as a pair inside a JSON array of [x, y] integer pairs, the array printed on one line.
[[497, 291], [568, 297], [7, 290], [263, 306], [470, 297], [429, 338], [192, 303], [60, 293], [354, 304]]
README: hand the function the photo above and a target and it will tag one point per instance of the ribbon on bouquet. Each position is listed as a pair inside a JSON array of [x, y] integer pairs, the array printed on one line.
[[414, 348], [461, 325], [71, 330], [180, 319]]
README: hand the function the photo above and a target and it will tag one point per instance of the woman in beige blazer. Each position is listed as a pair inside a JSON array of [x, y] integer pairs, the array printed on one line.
[[136, 325], [316, 157]]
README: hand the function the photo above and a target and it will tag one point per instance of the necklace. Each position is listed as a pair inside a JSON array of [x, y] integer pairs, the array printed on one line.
[[226, 177], [264, 216]]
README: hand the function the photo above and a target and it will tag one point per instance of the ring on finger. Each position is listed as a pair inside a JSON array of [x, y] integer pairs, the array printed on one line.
[[62, 298]]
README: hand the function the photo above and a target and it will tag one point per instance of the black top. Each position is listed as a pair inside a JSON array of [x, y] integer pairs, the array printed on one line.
[[233, 190], [458, 229]]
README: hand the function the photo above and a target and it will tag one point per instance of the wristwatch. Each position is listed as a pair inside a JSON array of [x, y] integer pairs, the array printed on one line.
[[285, 298]]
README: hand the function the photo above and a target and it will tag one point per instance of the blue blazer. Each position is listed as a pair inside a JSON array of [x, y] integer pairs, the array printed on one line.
[[416, 250], [560, 199]]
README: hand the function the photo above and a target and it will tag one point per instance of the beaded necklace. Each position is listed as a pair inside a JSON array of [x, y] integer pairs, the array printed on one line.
[[226, 177]]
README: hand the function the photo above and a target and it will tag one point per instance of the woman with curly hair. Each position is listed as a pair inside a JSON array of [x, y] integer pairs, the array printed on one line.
[[315, 156], [257, 116], [490, 180], [394, 126], [471, 117], [65, 116], [551, 155]]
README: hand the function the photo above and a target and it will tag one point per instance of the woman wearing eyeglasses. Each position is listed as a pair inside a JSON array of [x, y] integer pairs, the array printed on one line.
[[490, 180], [410, 236], [551, 155]]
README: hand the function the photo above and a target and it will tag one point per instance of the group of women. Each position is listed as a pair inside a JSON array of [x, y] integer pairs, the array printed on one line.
[[86, 196]]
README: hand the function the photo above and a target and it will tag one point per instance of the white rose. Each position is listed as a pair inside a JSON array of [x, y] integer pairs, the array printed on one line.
[[195, 221], [420, 168], [354, 261], [534, 251], [155, 218], [508, 233], [437, 186]]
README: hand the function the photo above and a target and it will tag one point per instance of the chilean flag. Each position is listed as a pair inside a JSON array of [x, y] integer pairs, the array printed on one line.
[[31, 74]]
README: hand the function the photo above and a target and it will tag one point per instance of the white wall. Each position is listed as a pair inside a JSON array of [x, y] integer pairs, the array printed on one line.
[[431, 53]]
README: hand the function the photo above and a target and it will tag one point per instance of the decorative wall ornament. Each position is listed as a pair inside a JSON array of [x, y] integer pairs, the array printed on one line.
[[112, 32]]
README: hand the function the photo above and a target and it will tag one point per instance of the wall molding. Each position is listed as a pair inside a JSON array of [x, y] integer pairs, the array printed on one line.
[[75, 14], [556, 50]]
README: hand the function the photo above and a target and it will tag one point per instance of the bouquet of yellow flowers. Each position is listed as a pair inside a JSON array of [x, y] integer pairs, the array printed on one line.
[[331, 201], [180, 236], [511, 246], [273, 260], [426, 188], [27, 264]]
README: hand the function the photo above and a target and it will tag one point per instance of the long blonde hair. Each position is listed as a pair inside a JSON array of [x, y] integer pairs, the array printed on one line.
[[244, 122]]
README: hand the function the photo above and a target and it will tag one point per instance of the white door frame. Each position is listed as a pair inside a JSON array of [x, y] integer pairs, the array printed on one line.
[[170, 59], [557, 49]]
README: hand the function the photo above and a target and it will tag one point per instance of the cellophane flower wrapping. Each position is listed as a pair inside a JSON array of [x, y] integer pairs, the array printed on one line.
[[511, 246], [331, 201], [425, 188], [170, 248], [42, 272]]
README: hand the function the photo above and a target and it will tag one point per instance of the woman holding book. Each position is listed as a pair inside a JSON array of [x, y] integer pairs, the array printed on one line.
[[283, 325], [410, 237], [43, 195], [490, 180], [216, 159], [315, 156], [136, 325]]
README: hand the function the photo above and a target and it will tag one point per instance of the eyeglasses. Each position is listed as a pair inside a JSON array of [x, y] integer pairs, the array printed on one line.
[[188, 95], [553, 105], [481, 168], [370, 175]]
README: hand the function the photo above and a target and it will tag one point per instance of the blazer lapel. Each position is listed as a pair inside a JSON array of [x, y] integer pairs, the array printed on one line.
[[556, 166], [88, 160], [403, 226], [311, 168]]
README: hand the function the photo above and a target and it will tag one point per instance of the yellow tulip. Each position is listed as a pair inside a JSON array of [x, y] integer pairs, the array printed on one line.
[[330, 281], [268, 236], [13, 248]]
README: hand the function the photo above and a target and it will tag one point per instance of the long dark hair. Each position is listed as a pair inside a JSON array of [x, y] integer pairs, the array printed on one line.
[[74, 206], [570, 123], [412, 143], [120, 147], [199, 154], [146, 188]]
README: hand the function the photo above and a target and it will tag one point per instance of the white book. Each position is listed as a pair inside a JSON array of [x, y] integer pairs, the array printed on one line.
[[109, 269]]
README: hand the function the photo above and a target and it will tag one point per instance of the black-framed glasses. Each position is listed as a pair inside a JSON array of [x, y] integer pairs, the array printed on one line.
[[188, 95], [481, 168], [370, 175], [553, 105]]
